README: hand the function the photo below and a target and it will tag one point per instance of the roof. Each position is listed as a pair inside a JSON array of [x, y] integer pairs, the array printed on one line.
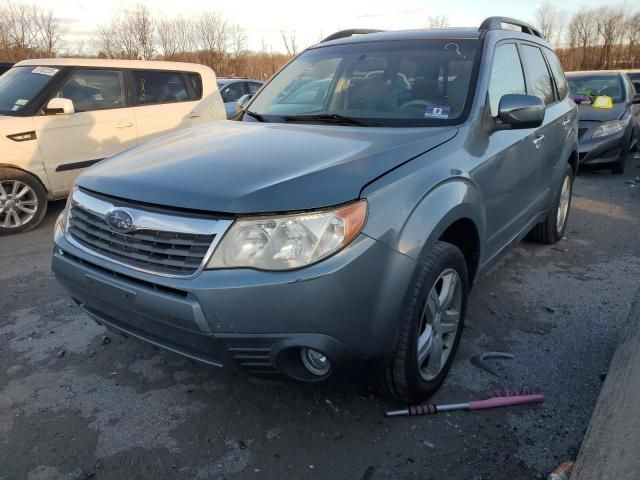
[[467, 33], [109, 63], [422, 34], [237, 79]]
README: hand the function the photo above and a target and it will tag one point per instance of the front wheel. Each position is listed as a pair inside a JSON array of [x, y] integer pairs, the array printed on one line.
[[23, 201], [551, 230], [430, 328]]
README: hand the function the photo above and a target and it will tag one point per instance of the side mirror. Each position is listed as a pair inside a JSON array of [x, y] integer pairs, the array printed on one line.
[[59, 106], [242, 102], [520, 111]]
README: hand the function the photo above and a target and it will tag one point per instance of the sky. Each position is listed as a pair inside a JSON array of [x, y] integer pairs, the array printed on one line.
[[263, 20]]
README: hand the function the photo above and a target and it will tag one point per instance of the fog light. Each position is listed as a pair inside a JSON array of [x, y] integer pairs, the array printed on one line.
[[315, 362]]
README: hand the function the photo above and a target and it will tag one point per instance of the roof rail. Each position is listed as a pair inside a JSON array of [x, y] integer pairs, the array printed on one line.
[[495, 23], [349, 33]]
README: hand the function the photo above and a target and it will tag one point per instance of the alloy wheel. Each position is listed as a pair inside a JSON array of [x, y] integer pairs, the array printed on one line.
[[439, 324], [563, 204], [18, 204]]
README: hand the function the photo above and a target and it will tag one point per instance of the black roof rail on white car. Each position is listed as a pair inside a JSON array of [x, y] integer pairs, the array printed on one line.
[[495, 23], [349, 33]]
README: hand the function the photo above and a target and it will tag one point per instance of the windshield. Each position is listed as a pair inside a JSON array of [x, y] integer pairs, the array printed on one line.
[[20, 85], [596, 86], [398, 83]]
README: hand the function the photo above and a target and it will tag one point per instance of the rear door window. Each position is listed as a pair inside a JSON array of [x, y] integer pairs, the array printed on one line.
[[196, 83], [538, 77], [506, 75], [157, 87], [94, 90], [558, 74]]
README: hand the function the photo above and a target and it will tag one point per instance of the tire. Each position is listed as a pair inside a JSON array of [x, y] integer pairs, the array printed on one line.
[[550, 230], [403, 377], [618, 167], [23, 201]]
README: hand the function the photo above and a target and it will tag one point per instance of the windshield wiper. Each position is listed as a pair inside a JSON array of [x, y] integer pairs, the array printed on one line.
[[332, 118], [255, 115]]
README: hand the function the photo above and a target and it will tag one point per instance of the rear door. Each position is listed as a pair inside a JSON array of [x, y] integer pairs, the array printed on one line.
[[550, 138], [165, 101], [102, 125]]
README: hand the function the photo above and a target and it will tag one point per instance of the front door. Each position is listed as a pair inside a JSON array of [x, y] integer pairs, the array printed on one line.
[[101, 126], [509, 170], [231, 93]]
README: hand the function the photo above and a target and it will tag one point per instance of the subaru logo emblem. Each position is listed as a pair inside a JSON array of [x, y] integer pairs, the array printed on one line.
[[120, 221]]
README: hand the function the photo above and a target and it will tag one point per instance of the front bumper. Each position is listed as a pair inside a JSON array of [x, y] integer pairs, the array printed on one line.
[[602, 150], [345, 306]]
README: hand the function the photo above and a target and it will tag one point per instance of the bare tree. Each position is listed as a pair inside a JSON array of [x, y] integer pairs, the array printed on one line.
[[632, 29], [27, 31], [49, 31], [214, 33], [290, 43], [238, 40], [583, 35], [439, 21], [549, 20], [610, 23], [141, 26]]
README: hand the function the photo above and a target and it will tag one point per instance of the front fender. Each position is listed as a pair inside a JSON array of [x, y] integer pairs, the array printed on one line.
[[409, 220], [448, 202]]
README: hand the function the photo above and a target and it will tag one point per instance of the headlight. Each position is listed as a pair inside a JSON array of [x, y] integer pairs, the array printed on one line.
[[61, 222], [289, 241], [610, 128]]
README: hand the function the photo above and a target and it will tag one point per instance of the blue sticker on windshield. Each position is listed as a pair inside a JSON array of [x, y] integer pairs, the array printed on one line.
[[440, 112]]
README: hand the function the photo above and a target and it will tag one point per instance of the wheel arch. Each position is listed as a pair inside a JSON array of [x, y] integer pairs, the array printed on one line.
[[451, 212], [37, 176]]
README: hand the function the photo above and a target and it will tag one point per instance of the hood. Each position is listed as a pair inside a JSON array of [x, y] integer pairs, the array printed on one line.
[[251, 167], [587, 113]]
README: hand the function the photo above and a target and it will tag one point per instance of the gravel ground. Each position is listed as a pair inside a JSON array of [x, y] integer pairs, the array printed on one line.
[[77, 402]]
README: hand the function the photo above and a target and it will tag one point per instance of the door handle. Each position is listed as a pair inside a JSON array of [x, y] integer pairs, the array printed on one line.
[[537, 141], [194, 115], [124, 125]]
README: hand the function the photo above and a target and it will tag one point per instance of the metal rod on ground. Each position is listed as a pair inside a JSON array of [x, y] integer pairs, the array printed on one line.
[[495, 400]]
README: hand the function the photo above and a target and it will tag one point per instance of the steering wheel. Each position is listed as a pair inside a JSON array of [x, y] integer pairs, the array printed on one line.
[[414, 103]]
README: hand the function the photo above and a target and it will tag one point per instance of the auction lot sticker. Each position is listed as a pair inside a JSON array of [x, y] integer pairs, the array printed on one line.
[[45, 71], [437, 111]]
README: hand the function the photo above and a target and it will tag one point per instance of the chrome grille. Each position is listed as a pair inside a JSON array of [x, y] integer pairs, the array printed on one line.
[[178, 251]]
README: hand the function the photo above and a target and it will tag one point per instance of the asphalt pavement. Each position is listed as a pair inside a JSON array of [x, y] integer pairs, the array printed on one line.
[[77, 402]]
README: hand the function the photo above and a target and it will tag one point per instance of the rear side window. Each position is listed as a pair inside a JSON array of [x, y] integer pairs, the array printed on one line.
[[196, 83], [558, 74], [506, 75], [156, 87], [94, 90], [538, 75]]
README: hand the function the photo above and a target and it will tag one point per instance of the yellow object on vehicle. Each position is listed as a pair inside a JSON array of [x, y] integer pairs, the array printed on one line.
[[602, 101]]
